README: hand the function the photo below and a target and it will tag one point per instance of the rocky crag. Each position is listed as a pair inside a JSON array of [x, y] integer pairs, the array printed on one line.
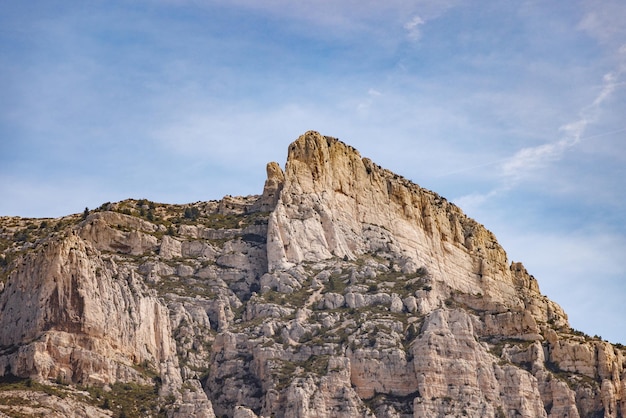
[[344, 290]]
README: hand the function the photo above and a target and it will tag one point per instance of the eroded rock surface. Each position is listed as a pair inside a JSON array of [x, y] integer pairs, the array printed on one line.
[[343, 290]]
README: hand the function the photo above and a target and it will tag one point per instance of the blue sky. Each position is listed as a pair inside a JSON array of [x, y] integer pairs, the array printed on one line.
[[513, 110]]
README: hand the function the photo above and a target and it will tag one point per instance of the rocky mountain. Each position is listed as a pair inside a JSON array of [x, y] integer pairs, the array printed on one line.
[[344, 290]]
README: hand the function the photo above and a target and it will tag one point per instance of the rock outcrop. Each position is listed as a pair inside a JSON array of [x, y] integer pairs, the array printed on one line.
[[343, 290]]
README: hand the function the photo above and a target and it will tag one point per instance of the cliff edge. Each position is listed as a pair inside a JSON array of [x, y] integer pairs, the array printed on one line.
[[342, 290]]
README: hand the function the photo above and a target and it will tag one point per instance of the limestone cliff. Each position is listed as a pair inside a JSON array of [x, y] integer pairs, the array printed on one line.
[[343, 290]]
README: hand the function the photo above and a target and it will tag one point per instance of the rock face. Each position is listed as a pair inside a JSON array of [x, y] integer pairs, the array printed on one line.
[[342, 290]]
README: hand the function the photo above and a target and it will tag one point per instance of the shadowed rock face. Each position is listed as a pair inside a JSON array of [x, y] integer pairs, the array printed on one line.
[[343, 290]]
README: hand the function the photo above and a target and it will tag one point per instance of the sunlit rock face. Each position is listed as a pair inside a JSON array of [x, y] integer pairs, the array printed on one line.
[[342, 290]]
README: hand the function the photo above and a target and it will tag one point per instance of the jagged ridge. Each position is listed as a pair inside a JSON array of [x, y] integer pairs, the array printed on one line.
[[343, 290]]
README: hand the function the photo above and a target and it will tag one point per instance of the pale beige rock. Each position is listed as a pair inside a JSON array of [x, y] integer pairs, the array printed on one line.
[[331, 196], [194, 404], [42, 404], [243, 412], [343, 290], [562, 400], [92, 324], [170, 248], [374, 371], [327, 397], [271, 191], [116, 232], [452, 368], [333, 300]]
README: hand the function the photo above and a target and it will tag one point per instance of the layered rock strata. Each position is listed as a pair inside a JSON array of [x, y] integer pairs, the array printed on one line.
[[343, 290]]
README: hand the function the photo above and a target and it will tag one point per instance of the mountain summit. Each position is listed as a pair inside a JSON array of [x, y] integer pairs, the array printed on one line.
[[344, 290]]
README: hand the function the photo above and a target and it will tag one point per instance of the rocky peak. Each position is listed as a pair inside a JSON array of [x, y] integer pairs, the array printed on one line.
[[271, 191], [317, 163], [342, 290], [334, 203]]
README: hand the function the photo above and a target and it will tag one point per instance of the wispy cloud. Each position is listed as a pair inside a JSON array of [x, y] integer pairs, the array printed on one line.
[[527, 161], [424, 11], [537, 163], [413, 28], [524, 161], [364, 105], [345, 16], [604, 20]]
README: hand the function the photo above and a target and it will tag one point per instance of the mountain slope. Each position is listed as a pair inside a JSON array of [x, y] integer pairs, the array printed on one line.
[[342, 290]]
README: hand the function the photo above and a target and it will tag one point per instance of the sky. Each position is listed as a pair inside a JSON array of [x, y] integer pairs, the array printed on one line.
[[514, 110]]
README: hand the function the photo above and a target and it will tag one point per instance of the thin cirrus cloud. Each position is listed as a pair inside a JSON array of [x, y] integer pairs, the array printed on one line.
[[604, 22], [413, 28], [528, 159], [425, 11], [348, 17], [525, 163]]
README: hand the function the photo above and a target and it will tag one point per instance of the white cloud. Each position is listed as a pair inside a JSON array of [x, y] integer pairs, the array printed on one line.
[[364, 105], [413, 28], [528, 159], [427, 10], [539, 163], [610, 83], [524, 161]]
